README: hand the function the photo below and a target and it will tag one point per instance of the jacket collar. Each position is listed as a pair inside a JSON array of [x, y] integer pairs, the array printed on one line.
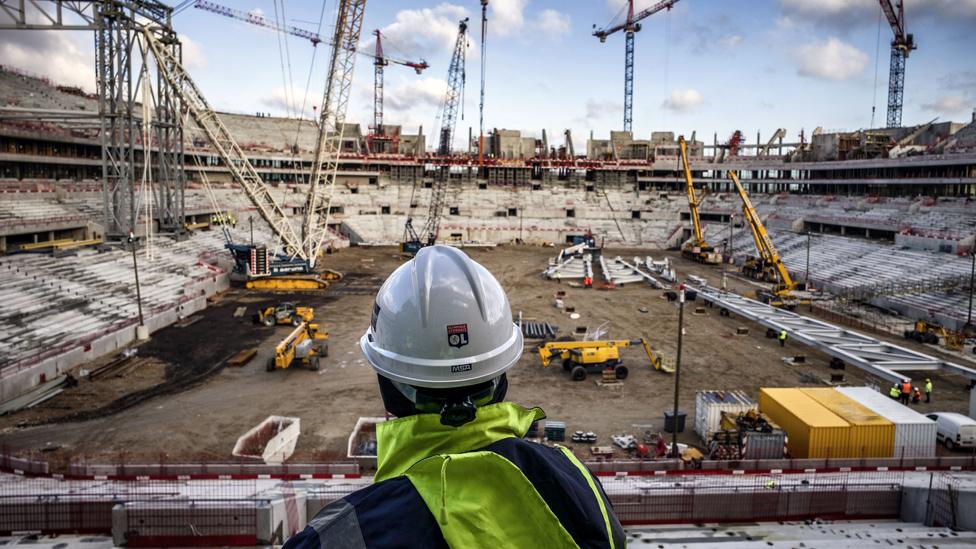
[[402, 442]]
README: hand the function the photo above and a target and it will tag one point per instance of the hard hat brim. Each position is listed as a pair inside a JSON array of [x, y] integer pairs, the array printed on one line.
[[443, 373]]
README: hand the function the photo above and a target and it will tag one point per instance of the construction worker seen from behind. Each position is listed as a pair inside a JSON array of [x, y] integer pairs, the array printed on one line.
[[906, 391], [916, 396], [782, 338], [894, 392], [453, 469], [928, 390]]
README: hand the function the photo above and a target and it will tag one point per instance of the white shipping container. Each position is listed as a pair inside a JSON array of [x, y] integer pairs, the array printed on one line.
[[709, 406], [915, 434]]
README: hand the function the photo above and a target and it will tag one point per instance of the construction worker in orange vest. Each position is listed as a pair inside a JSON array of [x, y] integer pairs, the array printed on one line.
[[587, 282], [906, 391]]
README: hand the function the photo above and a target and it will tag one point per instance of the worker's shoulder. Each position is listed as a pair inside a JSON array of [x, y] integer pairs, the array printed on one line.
[[390, 513], [540, 463]]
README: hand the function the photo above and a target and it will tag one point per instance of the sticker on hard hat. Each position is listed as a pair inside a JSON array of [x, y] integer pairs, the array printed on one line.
[[457, 335], [460, 368]]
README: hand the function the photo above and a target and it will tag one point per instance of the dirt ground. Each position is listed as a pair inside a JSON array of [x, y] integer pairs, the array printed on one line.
[[184, 403]]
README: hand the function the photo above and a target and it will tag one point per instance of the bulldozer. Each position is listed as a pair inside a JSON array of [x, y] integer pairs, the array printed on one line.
[[305, 346], [284, 313], [579, 357]]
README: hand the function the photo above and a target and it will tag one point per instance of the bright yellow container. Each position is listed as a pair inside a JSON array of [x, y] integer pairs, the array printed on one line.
[[813, 430], [871, 435]]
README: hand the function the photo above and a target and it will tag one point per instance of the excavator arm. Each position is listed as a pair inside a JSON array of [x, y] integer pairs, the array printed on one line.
[[764, 244]]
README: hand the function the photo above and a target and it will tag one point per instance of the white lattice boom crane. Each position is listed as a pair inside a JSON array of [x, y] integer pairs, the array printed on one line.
[[332, 118], [303, 250], [224, 145]]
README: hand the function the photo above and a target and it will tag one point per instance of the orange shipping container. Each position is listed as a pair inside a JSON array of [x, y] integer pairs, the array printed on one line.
[[813, 430], [871, 434]]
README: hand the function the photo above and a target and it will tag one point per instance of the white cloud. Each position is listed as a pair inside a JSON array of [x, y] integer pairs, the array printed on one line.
[[419, 93], [832, 59], [288, 104], [193, 56], [733, 40], [683, 100], [507, 16], [949, 104], [57, 55], [423, 32], [553, 22]]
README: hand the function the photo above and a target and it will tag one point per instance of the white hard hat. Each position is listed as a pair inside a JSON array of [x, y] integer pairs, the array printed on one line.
[[441, 320]]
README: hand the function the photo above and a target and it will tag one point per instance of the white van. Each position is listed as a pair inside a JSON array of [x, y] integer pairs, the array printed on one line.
[[955, 430]]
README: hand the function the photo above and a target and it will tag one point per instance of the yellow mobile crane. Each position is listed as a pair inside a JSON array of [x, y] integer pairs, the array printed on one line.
[[768, 266], [696, 249]]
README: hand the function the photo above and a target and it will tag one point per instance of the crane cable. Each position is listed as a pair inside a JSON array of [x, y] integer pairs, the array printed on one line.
[[281, 59], [308, 81], [877, 61], [481, 106]]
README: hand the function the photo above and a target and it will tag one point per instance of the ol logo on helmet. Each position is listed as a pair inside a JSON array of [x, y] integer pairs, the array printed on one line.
[[457, 335]]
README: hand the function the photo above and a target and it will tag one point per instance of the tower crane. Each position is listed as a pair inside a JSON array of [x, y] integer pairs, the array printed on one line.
[[380, 60], [266, 270], [630, 26], [901, 45], [769, 265], [412, 240], [696, 248], [256, 19]]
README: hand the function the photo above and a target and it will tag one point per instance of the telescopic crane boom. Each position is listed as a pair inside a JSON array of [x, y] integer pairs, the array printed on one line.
[[769, 265], [696, 248]]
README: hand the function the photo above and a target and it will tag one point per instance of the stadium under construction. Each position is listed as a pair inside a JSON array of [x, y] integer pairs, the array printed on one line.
[[166, 268]]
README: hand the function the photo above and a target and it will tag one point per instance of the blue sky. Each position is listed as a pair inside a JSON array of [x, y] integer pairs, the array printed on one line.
[[708, 65]]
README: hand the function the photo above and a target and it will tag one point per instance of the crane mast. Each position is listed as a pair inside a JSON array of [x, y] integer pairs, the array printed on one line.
[[412, 240], [332, 118], [481, 105], [764, 244], [378, 63], [630, 26], [455, 87], [901, 45]]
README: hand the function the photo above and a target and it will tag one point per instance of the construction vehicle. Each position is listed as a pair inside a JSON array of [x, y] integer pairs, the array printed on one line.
[[768, 266], [580, 356], [294, 265], [696, 248], [305, 345], [932, 333], [412, 240], [284, 313]]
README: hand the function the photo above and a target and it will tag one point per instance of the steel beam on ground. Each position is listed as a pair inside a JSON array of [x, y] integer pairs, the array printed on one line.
[[882, 359]]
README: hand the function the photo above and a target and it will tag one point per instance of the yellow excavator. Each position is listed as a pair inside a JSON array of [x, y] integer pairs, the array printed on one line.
[[696, 248], [580, 356], [305, 345], [768, 266]]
